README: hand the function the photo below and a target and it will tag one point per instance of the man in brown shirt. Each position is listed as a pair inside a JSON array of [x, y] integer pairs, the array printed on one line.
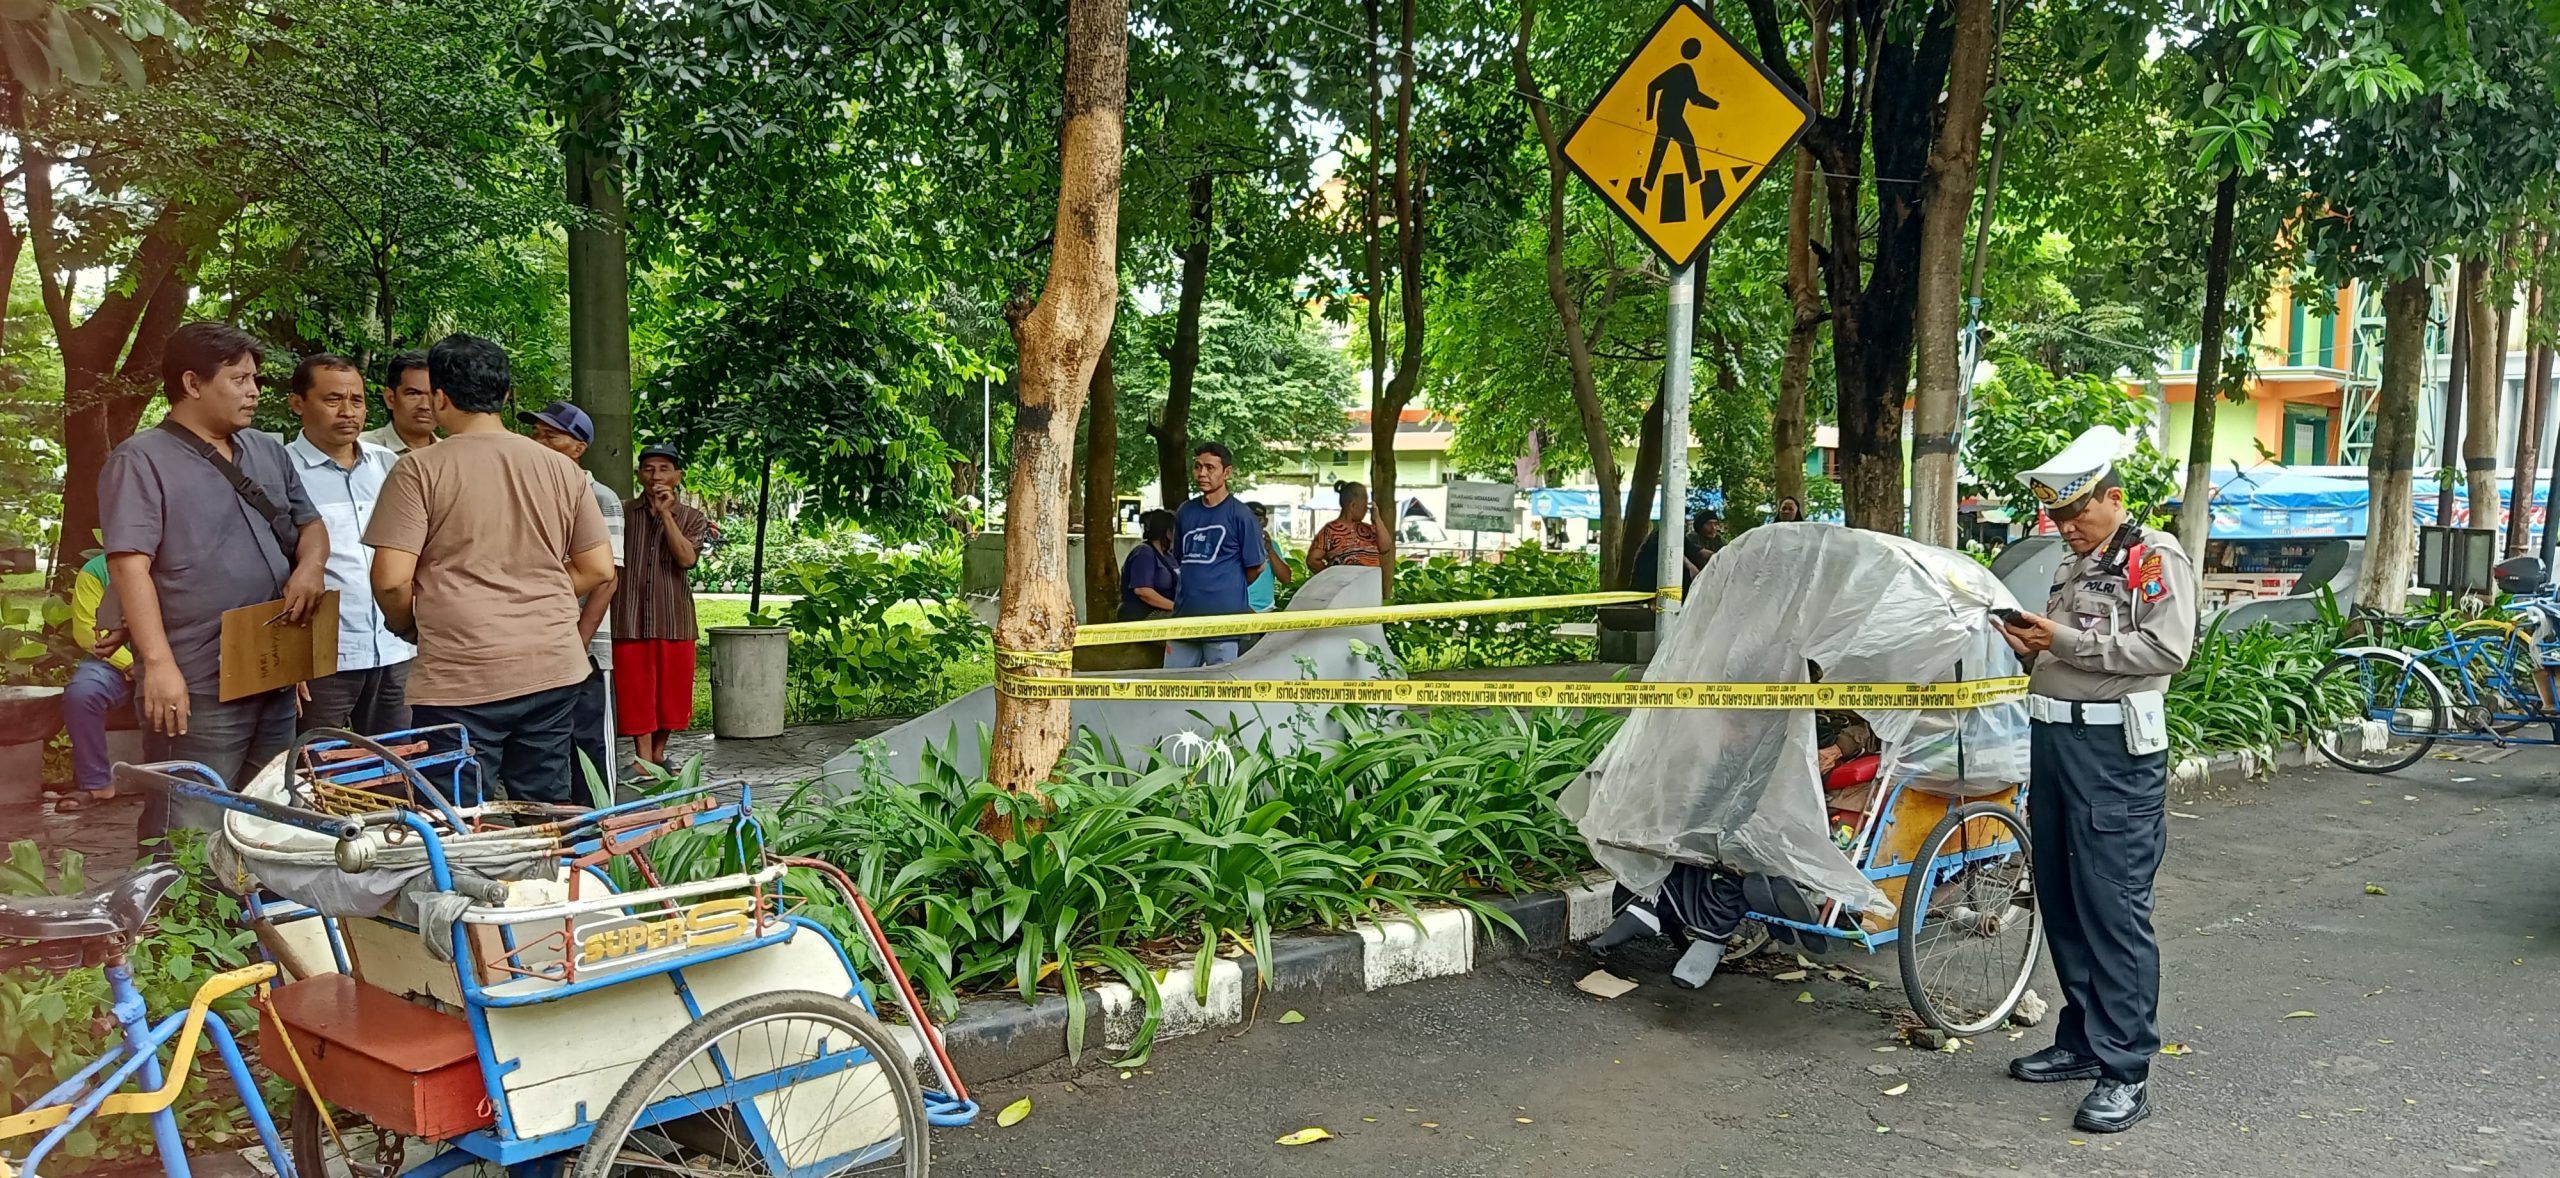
[[483, 544], [653, 626]]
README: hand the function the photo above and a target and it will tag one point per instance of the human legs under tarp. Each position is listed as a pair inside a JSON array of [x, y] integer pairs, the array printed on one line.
[[1705, 906]]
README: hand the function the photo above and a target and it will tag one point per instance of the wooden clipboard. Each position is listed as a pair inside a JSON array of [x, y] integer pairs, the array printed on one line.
[[260, 654]]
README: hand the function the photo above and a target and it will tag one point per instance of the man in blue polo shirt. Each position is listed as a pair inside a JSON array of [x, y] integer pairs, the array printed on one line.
[[1219, 545]]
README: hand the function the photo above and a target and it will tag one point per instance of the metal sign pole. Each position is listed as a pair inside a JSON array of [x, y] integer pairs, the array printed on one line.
[[1671, 534]]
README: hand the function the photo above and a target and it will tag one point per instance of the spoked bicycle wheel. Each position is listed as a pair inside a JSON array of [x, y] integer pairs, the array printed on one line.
[[2395, 711], [1970, 931], [793, 1083]]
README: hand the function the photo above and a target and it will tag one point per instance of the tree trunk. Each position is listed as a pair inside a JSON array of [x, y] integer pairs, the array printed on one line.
[[2456, 388], [1644, 486], [2390, 545], [1101, 495], [2195, 502], [1059, 340], [2532, 410], [1387, 413], [1597, 436], [1939, 303], [2486, 396], [1172, 428], [599, 292], [1382, 499], [101, 403], [1872, 312], [1790, 435]]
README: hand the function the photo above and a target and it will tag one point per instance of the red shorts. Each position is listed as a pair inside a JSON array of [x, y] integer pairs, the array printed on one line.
[[652, 685]]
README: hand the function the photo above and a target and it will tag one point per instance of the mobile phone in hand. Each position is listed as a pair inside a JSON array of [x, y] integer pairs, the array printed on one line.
[[2010, 617]]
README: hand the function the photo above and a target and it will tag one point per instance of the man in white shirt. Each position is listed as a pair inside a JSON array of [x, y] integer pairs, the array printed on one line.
[[411, 404], [342, 473], [566, 428]]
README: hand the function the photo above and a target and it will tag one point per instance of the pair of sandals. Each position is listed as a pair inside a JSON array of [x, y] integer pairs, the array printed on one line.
[[78, 800]]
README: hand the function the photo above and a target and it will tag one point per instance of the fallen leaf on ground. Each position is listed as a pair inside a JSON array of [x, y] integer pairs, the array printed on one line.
[[2183, 814], [2176, 1049], [1600, 983], [1898, 1089], [1306, 1136], [1013, 1113], [1369, 1120], [1887, 1050], [1431, 1124], [1292, 1018], [1125, 1074], [2303, 1014], [1884, 1128], [1524, 1120], [1804, 996], [1793, 975], [1803, 961], [2374, 890]]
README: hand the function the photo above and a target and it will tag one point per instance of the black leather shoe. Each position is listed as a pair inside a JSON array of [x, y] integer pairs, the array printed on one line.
[[2114, 1106], [2053, 1065]]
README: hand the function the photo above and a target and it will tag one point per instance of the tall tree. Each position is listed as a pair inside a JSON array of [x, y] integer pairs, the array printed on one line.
[[1790, 423], [1060, 339], [1947, 191], [1597, 436], [2533, 406], [1387, 404], [1893, 64]]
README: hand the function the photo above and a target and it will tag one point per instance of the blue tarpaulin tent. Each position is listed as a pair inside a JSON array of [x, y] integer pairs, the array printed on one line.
[[2273, 502]]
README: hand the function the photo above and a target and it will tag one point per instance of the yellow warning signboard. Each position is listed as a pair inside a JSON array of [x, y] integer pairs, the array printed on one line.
[[1686, 130]]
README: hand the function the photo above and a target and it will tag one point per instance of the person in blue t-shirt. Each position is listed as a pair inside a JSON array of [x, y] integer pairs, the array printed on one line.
[[1218, 546]]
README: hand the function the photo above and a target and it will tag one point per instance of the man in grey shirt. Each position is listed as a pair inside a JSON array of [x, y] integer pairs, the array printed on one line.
[[184, 544]]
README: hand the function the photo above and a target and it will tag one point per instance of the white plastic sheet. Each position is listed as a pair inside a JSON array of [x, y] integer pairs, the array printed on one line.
[[1740, 788]]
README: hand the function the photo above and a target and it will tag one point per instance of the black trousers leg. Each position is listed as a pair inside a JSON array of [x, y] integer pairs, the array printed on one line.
[[2106, 812]]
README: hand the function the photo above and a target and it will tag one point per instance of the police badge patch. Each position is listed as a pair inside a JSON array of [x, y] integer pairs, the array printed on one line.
[[2153, 578]]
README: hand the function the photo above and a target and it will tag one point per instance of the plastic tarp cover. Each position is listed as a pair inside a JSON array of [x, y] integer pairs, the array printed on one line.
[[1739, 788]]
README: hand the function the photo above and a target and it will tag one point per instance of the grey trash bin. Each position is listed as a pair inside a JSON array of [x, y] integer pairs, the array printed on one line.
[[749, 677]]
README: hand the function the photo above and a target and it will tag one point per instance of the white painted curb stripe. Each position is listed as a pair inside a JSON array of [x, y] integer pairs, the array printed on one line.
[[1395, 952]]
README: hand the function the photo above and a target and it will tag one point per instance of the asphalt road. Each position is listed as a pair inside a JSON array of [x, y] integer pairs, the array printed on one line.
[[2429, 1052]]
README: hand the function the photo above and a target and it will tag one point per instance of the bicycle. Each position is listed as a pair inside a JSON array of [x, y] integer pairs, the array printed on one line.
[[99, 927]]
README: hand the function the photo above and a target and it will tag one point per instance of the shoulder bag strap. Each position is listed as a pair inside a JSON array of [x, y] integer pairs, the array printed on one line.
[[288, 536]]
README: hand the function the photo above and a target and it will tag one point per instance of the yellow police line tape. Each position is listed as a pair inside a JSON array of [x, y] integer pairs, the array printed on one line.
[[1864, 697], [1235, 625]]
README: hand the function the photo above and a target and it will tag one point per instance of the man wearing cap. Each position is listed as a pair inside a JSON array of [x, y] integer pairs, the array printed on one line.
[[653, 627], [567, 429], [2120, 621]]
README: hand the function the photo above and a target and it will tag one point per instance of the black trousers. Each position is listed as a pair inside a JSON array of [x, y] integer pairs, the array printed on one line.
[[2099, 817], [592, 723], [524, 744], [372, 701]]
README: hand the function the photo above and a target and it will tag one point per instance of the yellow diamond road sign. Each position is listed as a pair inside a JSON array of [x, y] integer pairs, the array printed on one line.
[[1687, 128]]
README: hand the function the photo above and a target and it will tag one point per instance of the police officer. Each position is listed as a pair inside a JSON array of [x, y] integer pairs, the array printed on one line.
[[2120, 620]]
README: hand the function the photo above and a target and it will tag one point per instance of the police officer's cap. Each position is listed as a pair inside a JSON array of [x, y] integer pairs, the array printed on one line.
[[2068, 478]]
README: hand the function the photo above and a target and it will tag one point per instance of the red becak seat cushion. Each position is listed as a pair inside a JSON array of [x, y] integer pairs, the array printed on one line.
[[1854, 772]]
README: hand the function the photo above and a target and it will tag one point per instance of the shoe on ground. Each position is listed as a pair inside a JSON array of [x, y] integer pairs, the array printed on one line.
[[1698, 964], [2114, 1106], [2053, 1065]]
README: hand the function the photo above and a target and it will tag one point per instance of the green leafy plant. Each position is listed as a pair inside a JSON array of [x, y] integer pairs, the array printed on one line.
[[2252, 689], [51, 1020], [1493, 640], [881, 633]]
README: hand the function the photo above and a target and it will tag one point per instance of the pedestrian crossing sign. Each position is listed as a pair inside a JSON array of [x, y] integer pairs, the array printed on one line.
[[1685, 130]]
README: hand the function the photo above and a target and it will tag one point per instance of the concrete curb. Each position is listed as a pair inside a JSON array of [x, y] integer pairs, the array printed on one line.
[[2233, 768], [994, 1038]]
